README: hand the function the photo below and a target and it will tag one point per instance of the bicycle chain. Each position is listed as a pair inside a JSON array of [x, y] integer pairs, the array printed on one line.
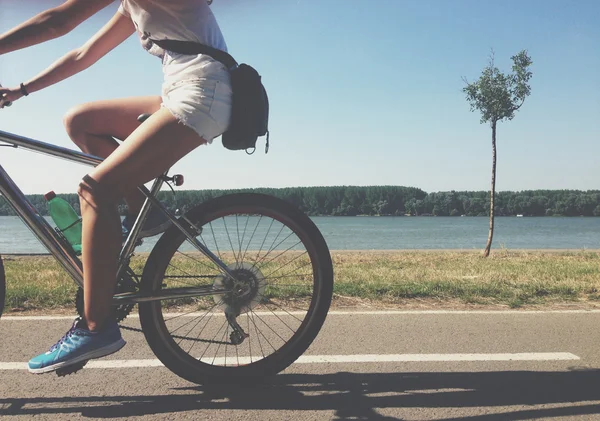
[[133, 329], [129, 282]]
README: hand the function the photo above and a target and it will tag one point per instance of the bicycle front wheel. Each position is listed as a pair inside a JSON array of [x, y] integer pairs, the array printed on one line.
[[272, 310]]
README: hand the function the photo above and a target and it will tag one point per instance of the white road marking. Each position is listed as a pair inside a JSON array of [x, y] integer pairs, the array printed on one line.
[[336, 313], [336, 359], [373, 358]]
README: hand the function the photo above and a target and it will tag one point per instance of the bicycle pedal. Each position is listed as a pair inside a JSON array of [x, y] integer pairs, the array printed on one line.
[[71, 369]]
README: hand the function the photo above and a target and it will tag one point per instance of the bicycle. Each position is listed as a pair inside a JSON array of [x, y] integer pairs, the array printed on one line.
[[242, 311]]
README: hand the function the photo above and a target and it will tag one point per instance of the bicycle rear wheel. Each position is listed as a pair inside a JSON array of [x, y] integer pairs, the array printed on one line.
[[279, 301], [2, 286]]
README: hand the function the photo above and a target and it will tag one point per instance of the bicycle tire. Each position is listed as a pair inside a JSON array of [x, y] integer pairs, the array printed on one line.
[[2, 286], [151, 315]]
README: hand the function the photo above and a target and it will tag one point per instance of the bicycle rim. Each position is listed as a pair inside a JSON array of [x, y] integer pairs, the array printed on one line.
[[279, 299]]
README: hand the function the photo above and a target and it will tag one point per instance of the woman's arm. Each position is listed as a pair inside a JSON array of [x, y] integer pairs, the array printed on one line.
[[50, 24], [117, 30]]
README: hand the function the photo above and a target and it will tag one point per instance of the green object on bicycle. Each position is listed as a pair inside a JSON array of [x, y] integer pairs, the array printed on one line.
[[66, 219]]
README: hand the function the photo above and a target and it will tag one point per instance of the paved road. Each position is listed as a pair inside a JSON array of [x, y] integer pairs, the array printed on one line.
[[528, 366]]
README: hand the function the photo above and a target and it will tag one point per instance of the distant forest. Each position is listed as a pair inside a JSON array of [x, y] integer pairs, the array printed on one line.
[[389, 200]]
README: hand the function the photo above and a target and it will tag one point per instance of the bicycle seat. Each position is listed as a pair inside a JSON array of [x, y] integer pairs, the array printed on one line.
[[143, 117]]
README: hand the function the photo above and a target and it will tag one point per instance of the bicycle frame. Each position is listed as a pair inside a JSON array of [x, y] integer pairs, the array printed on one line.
[[65, 255]]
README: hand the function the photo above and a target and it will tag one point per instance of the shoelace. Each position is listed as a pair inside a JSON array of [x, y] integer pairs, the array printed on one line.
[[63, 339]]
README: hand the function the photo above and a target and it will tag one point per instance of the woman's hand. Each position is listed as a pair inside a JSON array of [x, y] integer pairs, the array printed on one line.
[[8, 95]]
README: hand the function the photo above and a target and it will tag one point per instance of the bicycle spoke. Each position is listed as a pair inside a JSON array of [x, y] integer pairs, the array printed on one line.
[[180, 315], [265, 239], [188, 332], [226, 343], [272, 245], [215, 238], [230, 243], [187, 275], [271, 302], [277, 285], [203, 316], [200, 333], [286, 325], [282, 253], [269, 326], [250, 341], [197, 261], [237, 355], [258, 333], [213, 338], [237, 227], [287, 276], [219, 347], [273, 248], [272, 280], [278, 306], [251, 237], [304, 265]]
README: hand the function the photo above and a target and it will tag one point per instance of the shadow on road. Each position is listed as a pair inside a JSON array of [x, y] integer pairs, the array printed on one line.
[[351, 395]]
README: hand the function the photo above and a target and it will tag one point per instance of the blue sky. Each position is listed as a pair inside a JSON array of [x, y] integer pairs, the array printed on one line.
[[361, 92]]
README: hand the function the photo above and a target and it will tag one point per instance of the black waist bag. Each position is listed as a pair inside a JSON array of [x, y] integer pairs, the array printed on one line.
[[250, 108]]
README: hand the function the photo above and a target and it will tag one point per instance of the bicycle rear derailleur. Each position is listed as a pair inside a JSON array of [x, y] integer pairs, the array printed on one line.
[[244, 293], [238, 335]]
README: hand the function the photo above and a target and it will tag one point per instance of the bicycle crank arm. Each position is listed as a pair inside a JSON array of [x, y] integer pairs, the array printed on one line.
[[168, 294]]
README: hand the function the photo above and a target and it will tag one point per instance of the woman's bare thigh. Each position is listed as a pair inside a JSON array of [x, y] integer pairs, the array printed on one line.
[[112, 117], [150, 150]]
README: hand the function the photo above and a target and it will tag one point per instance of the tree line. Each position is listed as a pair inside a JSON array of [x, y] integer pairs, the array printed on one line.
[[386, 200]]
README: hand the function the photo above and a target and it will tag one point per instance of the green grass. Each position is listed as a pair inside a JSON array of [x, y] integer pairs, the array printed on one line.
[[508, 278]]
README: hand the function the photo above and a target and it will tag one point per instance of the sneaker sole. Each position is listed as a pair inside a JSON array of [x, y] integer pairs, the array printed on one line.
[[97, 353]]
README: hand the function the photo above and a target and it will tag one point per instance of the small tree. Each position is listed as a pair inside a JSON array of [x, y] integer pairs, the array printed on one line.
[[498, 96]]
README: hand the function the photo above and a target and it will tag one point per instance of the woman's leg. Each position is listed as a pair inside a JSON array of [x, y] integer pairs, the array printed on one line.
[[151, 149], [94, 126]]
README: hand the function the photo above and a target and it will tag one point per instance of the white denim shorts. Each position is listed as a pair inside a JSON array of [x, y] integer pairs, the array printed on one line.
[[200, 100]]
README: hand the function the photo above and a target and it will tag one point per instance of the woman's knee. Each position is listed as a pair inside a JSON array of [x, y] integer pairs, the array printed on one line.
[[75, 121], [95, 195]]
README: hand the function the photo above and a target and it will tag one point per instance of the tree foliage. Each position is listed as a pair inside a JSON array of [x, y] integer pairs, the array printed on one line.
[[498, 96], [388, 200]]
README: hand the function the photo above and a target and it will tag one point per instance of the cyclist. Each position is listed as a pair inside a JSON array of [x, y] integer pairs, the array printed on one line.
[[194, 108]]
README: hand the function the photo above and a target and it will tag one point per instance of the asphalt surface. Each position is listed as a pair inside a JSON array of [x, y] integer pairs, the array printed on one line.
[[562, 382]]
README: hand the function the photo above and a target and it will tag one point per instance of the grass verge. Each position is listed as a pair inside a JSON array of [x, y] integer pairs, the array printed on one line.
[[508, 278]]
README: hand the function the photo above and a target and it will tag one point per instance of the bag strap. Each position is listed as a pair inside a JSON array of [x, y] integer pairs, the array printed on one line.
[[193, 48]]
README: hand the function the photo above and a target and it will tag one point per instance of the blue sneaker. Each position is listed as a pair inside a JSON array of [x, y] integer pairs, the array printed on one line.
[[156, 223], [78, 345]]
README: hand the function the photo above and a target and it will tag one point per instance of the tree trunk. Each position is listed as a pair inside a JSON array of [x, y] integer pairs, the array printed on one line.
[[488, 246]]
